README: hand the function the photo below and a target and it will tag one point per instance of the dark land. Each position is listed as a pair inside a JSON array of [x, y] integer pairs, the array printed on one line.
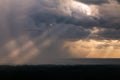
[[79, 69], [60, 72]]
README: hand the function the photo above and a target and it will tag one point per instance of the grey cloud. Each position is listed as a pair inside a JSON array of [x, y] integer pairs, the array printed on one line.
[[118, 0], [110, 14], [44, 25], [97, 2], [110, 34], [29, 31], [107, 17], [53, 12]]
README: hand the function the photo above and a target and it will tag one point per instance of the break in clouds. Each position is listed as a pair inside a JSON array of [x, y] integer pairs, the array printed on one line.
[[44, 31]]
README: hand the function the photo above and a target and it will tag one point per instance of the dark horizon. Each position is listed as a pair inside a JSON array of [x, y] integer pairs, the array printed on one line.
[[78, 61]]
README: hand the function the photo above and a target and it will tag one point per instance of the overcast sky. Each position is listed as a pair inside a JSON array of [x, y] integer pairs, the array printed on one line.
[[44, 31]]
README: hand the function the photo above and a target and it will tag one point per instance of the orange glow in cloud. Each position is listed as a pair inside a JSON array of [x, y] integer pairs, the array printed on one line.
[[94, 48]]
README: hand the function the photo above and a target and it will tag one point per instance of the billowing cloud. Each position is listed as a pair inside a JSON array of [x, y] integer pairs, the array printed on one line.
[[37, 31]]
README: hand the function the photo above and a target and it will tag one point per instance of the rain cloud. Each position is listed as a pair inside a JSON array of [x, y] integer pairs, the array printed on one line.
[[36, 31]]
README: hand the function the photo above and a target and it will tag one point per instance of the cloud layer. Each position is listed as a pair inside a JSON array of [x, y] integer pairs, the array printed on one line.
[[37, 31]]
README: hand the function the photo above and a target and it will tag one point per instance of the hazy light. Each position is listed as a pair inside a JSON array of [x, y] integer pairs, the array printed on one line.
[[94, 48]]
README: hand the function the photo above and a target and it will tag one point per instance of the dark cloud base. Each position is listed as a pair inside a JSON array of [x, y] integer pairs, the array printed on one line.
[[96, 2]]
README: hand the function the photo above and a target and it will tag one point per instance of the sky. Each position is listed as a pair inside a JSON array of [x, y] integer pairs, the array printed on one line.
[[44, 31]]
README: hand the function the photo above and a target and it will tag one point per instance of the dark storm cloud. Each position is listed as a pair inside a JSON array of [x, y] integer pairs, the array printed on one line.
[[118, 0], [97, 2], [107, 17], [47, 13], [110, 34], [29, 28], [50, 17]]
